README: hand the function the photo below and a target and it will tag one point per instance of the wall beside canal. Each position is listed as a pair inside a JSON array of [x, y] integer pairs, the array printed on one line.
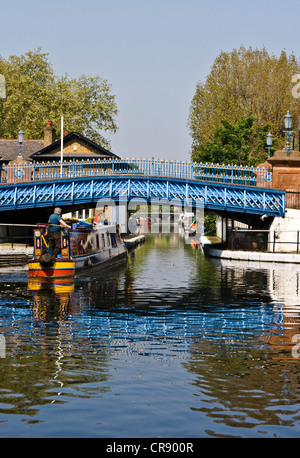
[[281, 235], [18, 255], [284, 232], [217, 251]]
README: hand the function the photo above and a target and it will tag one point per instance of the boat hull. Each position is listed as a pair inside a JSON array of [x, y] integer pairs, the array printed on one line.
[[67, 268], [61, 268], [103, 257]]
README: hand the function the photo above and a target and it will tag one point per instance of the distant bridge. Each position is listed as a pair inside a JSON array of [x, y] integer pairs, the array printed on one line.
[[221, 188]]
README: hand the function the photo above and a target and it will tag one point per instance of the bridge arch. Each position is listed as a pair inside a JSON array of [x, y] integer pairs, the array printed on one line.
[[78, 191]]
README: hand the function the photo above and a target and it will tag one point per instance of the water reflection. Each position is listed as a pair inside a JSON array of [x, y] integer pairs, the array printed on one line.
[[249, 381], [56, 291], [172, 342]]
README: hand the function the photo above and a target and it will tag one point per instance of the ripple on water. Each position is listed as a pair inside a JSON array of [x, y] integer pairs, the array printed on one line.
[[170, 345]]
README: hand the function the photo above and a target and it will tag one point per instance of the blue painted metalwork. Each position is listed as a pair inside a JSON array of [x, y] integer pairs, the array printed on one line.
[[120, 187], [221, 173]]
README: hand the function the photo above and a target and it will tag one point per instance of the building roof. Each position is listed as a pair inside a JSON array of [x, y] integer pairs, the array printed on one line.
[[90, 150], [9, 149], [34, 150]]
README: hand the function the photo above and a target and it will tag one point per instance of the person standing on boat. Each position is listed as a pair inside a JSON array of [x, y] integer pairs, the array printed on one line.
[[55, 223]]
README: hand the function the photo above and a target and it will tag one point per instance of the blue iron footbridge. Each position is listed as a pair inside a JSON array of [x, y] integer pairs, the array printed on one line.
[[219, 188]]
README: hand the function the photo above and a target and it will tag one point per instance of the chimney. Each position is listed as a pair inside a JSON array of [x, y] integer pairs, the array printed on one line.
[[49, 134]]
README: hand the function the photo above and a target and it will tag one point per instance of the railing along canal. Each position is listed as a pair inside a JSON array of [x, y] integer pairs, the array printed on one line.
[[231, 174], [264, 240]]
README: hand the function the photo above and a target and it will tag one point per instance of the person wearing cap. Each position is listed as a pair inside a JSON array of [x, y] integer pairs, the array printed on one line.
[[55, 223]]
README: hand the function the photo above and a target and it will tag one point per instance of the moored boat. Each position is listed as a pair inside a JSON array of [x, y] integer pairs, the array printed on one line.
[[82, 247]]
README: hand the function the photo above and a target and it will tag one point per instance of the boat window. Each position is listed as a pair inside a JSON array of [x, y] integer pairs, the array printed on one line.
[[97, 241]]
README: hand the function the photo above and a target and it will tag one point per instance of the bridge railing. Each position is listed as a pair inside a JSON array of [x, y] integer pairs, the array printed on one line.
[[38, 171], [235, 174]]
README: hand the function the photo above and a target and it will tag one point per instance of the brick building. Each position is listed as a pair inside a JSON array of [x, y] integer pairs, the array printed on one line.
[[75, 147]]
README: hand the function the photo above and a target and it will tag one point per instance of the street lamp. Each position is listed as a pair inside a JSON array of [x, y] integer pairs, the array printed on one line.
[[20, 140], [288, 120], [269, 142], [288, 124]]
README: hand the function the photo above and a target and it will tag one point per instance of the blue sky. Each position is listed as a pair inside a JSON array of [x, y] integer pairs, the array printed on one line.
[[152, 52]]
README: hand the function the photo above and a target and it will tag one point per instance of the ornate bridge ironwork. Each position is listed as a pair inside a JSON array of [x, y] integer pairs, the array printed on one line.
[[51, 184]]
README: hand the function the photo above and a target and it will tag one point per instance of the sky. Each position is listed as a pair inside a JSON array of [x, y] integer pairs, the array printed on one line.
[[152, 52]]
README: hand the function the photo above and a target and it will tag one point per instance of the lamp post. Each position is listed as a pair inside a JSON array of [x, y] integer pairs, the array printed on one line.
[[269, 143], [288, 124], [20, 140]]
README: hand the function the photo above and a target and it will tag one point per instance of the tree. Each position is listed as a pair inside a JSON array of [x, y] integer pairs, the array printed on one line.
[[35, 95], [244, 83], [239, 143]]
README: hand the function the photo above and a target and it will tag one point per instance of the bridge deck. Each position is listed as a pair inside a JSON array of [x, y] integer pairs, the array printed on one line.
[[124, 187]]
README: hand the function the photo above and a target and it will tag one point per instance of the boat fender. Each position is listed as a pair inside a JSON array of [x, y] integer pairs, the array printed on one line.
[[46, 260], [90, 262]]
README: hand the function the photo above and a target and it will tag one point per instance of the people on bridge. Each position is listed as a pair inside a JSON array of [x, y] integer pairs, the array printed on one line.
[[55, 223]]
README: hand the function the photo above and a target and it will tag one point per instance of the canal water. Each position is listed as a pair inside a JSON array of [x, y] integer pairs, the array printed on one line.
[[170, 344]]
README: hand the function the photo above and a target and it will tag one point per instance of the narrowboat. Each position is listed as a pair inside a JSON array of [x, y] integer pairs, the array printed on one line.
[[82, 247]]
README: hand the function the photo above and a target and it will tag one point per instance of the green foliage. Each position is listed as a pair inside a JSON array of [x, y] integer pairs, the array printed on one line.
[[242, 84], [70, 220], [239, 143], [210, 223], [35, 95]]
